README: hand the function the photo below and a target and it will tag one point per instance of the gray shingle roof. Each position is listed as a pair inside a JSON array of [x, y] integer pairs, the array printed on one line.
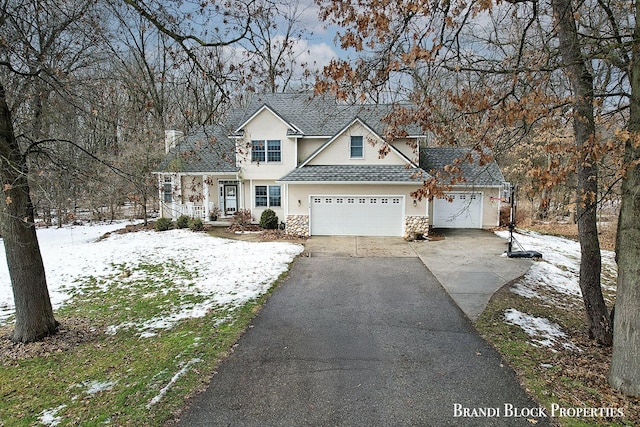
[[321, 116], [209, 150], [354, 173], [434, 159]]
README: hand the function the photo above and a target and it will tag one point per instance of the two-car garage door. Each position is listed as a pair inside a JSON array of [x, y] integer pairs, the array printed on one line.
[[356, 215]]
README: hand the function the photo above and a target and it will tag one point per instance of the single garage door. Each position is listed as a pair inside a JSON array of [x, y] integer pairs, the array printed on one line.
[[458, 210], [356, 215]]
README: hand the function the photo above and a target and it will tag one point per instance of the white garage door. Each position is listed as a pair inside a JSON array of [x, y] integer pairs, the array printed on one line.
[[458, 210], [356, 215]]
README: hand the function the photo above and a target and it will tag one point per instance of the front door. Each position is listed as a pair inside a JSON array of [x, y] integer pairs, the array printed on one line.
[[230, 199]]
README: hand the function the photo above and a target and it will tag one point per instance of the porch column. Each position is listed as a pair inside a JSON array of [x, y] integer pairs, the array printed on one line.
[[205, 194], [161, 193], [177, 200]]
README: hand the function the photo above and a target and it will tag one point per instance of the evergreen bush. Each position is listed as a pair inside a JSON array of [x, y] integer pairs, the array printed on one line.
[[182, 221], [269, 220], [163, 224], [196, 224]]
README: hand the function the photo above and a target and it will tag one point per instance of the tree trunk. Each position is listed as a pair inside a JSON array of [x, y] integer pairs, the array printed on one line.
[[625, 363], [34, 314], [584, 127]]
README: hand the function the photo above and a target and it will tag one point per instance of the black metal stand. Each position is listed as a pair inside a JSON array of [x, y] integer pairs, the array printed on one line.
[[522, 253]]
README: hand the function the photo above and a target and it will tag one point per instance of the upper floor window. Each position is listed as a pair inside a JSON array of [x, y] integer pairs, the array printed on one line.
[[266, 151], [356, 148]]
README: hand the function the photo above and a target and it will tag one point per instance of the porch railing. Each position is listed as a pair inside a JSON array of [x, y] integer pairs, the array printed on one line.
[[192, 211]]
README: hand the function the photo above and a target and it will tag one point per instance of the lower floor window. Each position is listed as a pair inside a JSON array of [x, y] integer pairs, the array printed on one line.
[[268, 196], [167, 190]]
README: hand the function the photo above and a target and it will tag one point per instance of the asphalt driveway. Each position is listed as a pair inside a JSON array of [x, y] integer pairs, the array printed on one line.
[[361, 341]]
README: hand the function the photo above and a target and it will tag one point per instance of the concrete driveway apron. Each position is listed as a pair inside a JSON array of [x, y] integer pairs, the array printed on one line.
[[358, 341]]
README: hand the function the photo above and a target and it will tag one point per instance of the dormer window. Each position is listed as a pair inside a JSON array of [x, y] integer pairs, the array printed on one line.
[[356, 148], [266, 151]]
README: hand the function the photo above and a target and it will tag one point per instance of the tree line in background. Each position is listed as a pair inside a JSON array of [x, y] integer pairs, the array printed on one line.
[[549, 88], [91, 87]]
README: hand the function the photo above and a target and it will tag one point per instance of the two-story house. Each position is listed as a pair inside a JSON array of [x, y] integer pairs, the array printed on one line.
[[317, 164]]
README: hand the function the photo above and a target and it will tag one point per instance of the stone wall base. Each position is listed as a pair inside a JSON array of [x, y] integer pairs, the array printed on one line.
[[414, 225], [298, 225]]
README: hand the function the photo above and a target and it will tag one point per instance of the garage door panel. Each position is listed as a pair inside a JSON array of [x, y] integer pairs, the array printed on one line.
[[356, 215], [458, 210]]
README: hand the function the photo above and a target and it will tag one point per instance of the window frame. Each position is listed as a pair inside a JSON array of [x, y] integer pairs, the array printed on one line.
[[258, 151], [266, 151], [167, 184], [353, 144], [268, 199]]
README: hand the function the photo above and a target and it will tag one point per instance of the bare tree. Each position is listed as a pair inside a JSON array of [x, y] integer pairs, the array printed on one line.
[[33, 34], [625, 365], [272, 49]]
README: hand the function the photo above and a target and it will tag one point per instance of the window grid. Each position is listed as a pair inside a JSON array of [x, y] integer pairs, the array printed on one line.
[[268, 196], [258, 151], [167, 190], [262, 200], [274, 196], [269, 151], [356, 148], [274, 153]]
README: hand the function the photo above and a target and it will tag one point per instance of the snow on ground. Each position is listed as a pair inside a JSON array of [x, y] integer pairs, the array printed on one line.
[[559, 269], [555, 280], [225, 271], [49, 417], [543, 331]]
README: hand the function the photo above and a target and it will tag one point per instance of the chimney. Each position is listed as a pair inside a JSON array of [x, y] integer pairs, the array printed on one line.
[[171, 138]]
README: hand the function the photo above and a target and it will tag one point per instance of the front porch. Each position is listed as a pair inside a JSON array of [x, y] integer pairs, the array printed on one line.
[[192, 210], [199, 196]]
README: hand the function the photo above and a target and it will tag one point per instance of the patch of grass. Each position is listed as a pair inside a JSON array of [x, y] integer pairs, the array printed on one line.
[[570, 379], [84, 376]]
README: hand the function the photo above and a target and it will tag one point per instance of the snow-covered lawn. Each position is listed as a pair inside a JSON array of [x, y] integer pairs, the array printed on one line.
[[221, 272], [554, 280]]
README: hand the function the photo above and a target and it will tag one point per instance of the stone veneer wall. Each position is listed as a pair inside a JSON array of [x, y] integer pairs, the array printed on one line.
[[298, 225], [416, 224]]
